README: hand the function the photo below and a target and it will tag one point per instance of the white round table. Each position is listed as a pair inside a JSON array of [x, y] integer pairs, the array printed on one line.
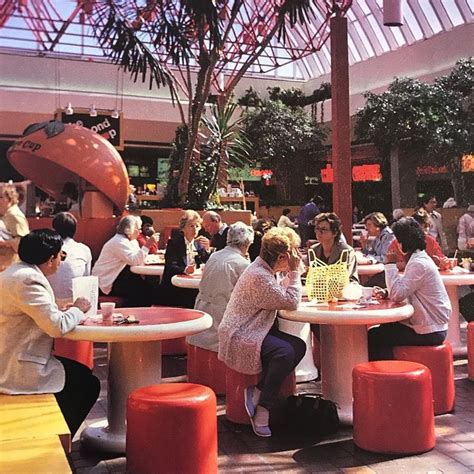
[[452, 279], [134, 356], [187, 281], [371, 269], [344, 342], [148, 270]]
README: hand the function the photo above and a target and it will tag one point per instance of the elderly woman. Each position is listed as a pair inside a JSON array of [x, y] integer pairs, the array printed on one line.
[[249, 340], [329, 248], [185, 252], [422, 286], [30, 319], [114, 262], [223, 269], [13, 225]]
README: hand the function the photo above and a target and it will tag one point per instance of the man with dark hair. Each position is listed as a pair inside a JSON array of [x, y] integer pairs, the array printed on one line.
[[76, 265], [422, 286], [429, 203], [30, 319], [146, 232]]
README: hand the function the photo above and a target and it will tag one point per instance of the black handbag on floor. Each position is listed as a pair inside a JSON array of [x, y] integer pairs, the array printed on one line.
[[310, 414]]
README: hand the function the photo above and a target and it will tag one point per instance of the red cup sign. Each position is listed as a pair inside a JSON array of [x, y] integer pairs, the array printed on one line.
[[103, 124]]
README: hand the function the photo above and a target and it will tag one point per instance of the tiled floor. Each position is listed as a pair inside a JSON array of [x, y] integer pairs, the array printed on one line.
[[241, 451]]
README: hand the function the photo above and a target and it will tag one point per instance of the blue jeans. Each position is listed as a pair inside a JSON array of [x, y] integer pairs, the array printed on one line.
[[382, 339], [280, 354]]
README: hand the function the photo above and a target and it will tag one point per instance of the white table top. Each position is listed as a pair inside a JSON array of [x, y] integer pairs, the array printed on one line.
[[156, 323], [457, 277], [188, 281], [371, 269], [150, 270], [348, 313]]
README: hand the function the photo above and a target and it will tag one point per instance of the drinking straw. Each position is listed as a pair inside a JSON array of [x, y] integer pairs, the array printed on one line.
[[455, 253]]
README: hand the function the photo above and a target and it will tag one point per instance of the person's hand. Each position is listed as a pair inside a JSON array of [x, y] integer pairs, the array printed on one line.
[[380, 293], [470, 243], [401, 266], [204, 242], [391, 257], [190, 269], [83, 304], [152, 240], [294, 260], [441, 263]]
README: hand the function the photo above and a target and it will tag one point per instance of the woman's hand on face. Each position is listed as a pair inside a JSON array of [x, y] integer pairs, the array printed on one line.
[[204, 242], [294, 259], [391, 257], [152, 240], [83, 304]]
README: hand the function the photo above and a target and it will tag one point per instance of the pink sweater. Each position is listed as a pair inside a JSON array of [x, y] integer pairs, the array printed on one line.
[[250, 314]]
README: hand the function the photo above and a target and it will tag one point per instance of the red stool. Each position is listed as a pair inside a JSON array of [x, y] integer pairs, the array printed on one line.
[[439, 359], [205, 368], [393, 407], [236, 383], [172, 428], [174, 346], [81, 351], [470, 350], [118, 300]]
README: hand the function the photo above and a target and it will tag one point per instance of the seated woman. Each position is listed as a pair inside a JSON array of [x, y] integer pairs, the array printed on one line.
[[30, 319], [377, 226], [13, 225], [114, 262], [422, 286], [260, 227], [249, 339], [185, 252], [78, 262], [223, 269], [432, 247], [329, 247]]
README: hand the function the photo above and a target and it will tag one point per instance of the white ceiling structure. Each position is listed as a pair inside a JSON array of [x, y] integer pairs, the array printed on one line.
[[27, 31]]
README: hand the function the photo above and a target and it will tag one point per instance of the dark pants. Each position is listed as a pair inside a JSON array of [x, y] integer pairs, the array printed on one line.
[[466, 307], [382, 339], [280, 354], [133, 288], [79, 394]]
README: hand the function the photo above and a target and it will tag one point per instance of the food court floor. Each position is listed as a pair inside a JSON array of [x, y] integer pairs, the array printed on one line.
[[241, 451]]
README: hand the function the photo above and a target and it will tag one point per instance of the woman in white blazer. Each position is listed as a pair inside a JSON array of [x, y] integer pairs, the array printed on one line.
[[29, 322]]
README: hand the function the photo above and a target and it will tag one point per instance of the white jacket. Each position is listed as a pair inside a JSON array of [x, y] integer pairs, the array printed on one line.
[[29, 320]]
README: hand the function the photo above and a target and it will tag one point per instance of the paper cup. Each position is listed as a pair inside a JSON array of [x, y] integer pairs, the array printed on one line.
[[454, 262], [107, 311], [367, 293]]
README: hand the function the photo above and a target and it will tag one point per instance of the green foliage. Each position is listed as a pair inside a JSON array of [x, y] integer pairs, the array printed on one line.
[[283, 137], [250, 98], [294, 97], [224, 144], [432, 116], [437, 118]]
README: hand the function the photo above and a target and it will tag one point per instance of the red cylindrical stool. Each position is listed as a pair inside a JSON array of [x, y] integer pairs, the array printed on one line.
[[172, 428], [174, 346], [393, 407], [236, 383], [81, 351], [439, 359], [470, 350], [205, 368]]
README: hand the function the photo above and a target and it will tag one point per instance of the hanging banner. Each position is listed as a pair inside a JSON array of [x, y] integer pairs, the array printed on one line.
[[104, 124]]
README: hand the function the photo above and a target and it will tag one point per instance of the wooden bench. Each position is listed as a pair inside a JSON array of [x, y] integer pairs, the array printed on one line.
[[33, 434], [33, 455]]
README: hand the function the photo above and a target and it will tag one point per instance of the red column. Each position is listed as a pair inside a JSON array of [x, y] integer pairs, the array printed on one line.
[[341, 131]]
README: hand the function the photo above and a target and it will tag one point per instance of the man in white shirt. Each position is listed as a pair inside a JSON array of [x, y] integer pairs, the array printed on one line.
[[77, 262], [422, 287], [285, 221], [436, 226]]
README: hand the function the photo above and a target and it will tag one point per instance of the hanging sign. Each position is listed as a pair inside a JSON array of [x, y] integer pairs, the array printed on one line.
[[104, 124]]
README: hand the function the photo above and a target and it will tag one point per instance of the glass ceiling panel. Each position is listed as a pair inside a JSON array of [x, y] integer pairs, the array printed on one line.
[[367, 35]]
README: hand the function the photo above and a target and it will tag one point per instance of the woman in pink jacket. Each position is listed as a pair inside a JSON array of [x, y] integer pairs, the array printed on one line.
[[249, 339]]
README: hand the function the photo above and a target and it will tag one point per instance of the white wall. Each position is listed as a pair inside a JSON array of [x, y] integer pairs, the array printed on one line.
[[33, 87]]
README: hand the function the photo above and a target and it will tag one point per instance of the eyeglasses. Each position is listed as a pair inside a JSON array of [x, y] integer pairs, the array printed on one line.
[[63, 255], [322, 229]]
